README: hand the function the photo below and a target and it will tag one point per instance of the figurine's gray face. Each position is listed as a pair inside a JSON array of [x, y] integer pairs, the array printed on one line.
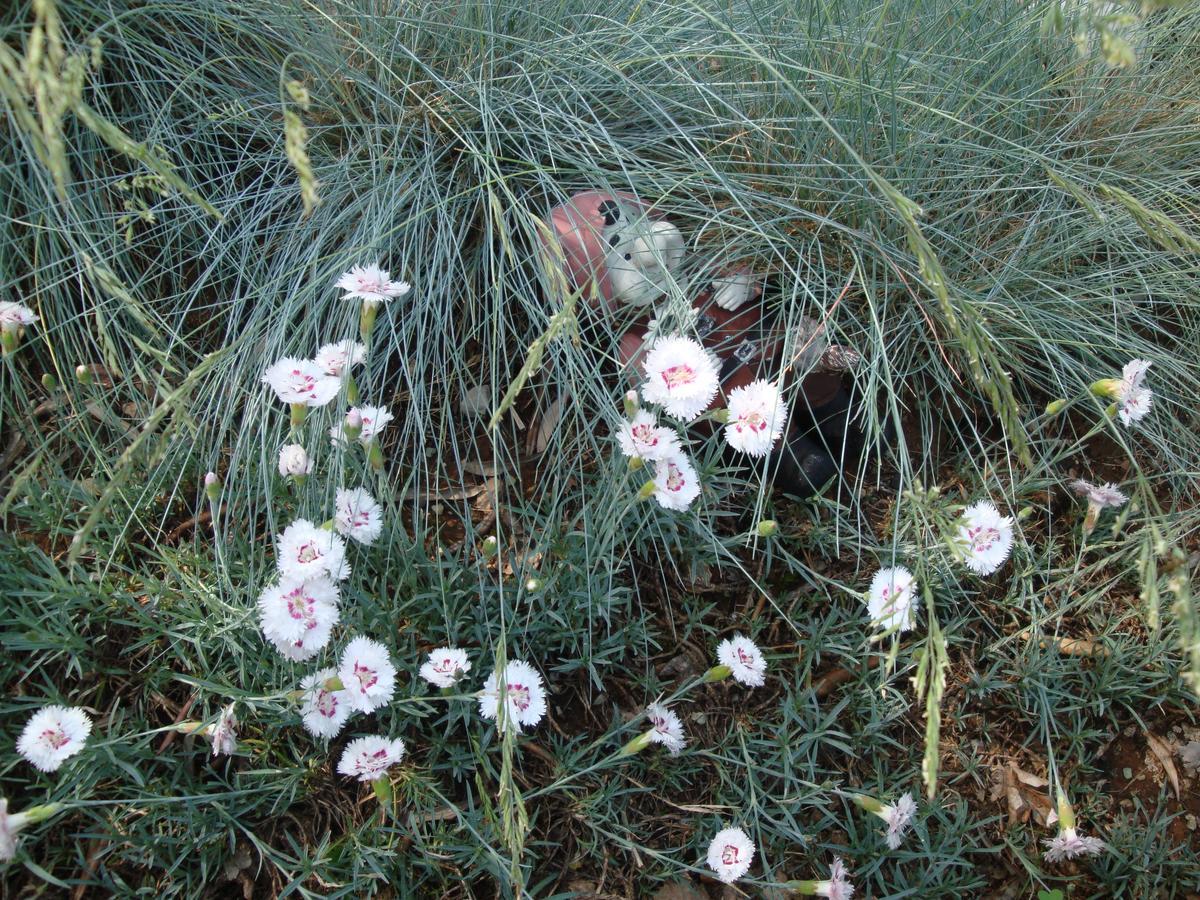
[[643, 256]]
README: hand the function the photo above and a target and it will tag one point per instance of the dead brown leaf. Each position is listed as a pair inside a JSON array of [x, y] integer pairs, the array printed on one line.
[[1021, 790], [1070, 646], [1162, 752]]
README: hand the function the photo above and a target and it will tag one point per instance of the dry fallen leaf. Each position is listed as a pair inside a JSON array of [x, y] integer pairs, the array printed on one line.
[[1070, 646], [1162, 752], [1021, 790]]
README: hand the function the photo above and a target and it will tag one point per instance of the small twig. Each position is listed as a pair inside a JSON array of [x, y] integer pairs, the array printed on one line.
[[169, 737]]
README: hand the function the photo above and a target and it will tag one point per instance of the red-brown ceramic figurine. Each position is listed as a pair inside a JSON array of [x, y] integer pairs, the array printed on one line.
[[621, 252]]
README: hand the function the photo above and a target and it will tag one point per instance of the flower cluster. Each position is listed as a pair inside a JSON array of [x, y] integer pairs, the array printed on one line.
[[683, 378]]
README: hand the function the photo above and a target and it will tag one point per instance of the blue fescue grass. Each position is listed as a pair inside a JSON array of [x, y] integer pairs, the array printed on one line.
[[1056, 198]]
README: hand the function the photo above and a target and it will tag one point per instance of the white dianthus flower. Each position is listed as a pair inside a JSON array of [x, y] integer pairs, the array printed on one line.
[[1068, 844], [526, 700], [681, 376], [756, 418], [730, 854], [369, 758], [1100, 495], [744, 659], [324, 711], [339, 358], [307, 551], [644, 438], [371, 284], [367, 674], [668, 730], [293, 460], [892, 599], [300, 381], [676, 483], [52, 735], [985, 537], [15, 315], [445, 667], [358, 516], [372, 419], [899, 817], [1133, 399], [293, 610], [223, 733]]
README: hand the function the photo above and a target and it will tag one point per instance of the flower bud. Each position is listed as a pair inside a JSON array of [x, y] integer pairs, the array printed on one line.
[[647, 490], [353, 424], [870, 804], [333, 684], [212, 487], [83, 374], [638, 744], [1066, 815], [716, 673], [1054, 407], [489, 546], [294, 461], [635, 463], [383, 790], [631, 404], [366, 320], [49, 382], [533, 585], [375, 455], [1106, 387], [767, 527]]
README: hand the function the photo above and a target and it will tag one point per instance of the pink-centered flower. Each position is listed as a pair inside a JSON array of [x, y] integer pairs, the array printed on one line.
[[338, 358], [1101, 495], [13, 823], [985, 538], [745, 661], [525, 701], [1133, 399], [676, 484], [358, 516], [643, 438], [223, 733], [757, 417], [837, 886], [15, 315], [53, 735], [681, 376], [367, 674], [668, 730], [445, 667], [1068, 844], [371, 419], [371, 284], [324, 711], [301, 381], [899, 817], [892, 599], [730, 854], [294, 610], [307, 551], [369, 758]]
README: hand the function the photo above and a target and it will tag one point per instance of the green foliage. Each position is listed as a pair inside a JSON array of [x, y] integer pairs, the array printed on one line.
[[992, 223]]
